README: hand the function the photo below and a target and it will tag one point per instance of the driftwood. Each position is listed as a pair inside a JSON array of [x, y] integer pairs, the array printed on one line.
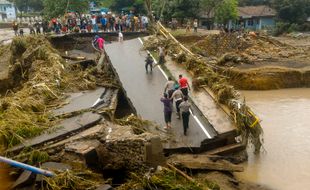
[[203, 162], [181, 173]]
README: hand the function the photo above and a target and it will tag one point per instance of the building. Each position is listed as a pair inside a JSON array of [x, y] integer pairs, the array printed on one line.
[[7, 11], [249, 17], [255, 18]]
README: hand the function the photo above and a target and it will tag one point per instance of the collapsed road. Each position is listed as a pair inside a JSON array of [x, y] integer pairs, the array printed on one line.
[[144, 91], [86, 133]]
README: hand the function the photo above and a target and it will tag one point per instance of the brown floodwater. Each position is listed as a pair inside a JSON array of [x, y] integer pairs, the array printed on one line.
[[285, 116], [5, 180]]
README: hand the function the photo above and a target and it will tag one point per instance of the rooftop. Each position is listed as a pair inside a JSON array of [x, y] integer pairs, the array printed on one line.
[[256, 11], [4, 2]]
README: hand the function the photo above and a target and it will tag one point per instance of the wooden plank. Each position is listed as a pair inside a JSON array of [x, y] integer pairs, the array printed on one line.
[[203, 162], [227, 149]]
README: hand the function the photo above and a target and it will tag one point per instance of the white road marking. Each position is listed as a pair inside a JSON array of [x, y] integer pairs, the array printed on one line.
[[194, 116], [140, 41], [200, 125]]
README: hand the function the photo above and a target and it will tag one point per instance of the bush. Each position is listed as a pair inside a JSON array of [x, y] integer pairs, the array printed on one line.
[[281, 27], [284, 27]]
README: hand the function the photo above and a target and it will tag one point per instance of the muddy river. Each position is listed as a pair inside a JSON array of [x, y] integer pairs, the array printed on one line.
[[285, 118], [5, 180]]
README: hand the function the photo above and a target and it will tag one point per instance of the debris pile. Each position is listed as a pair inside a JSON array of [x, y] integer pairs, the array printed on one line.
[[233, 49], [43, 77]]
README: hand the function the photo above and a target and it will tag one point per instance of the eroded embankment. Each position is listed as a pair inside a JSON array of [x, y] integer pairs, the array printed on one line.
[[269, 78], [254, 62]]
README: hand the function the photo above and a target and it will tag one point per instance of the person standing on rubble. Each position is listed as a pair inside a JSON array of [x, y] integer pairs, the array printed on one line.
[[184, 85], [167, 110], [99, 42], [184, 108]]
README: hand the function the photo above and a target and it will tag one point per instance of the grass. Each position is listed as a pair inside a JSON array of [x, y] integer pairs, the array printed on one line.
[[165, 179]]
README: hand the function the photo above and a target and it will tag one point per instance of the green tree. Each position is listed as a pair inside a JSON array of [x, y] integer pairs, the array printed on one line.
[[253, 2], [53, 8], [25, 5], [106, 3], [292, 11], [225, 11], [128, 5]]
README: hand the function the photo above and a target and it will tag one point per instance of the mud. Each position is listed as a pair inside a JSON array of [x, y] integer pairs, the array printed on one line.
[[5, 180], [267, 78], [256, 62]]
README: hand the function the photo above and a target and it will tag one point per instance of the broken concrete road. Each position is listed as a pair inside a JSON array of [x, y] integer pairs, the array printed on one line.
[[64, 129]]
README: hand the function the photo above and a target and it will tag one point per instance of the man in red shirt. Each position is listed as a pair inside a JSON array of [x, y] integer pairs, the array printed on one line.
[[184, 85]]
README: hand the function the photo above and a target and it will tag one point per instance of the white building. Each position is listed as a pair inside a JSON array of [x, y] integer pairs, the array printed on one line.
[[7, 11]]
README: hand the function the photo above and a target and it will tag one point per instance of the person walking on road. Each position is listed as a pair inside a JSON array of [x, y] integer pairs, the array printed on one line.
[[169, 87], [167, 110], [149, 62], [177, 96], [184, 107], [184, 85]]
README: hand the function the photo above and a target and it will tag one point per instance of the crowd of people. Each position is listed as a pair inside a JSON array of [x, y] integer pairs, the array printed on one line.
[[73, 22], [174, 91], [177, 91]]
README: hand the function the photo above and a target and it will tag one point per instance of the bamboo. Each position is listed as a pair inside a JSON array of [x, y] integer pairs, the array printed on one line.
[[181, 173]]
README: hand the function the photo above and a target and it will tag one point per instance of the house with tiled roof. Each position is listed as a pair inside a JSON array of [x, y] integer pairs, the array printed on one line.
[[256, 17], [249, 17], [7, 10]]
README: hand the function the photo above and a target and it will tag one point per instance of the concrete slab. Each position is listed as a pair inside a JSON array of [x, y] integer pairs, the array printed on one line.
[[65, 128], [84, 150], [97, 99], [80, 53], [56, 166], [88, 133], [145, 90], [154, 155]]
